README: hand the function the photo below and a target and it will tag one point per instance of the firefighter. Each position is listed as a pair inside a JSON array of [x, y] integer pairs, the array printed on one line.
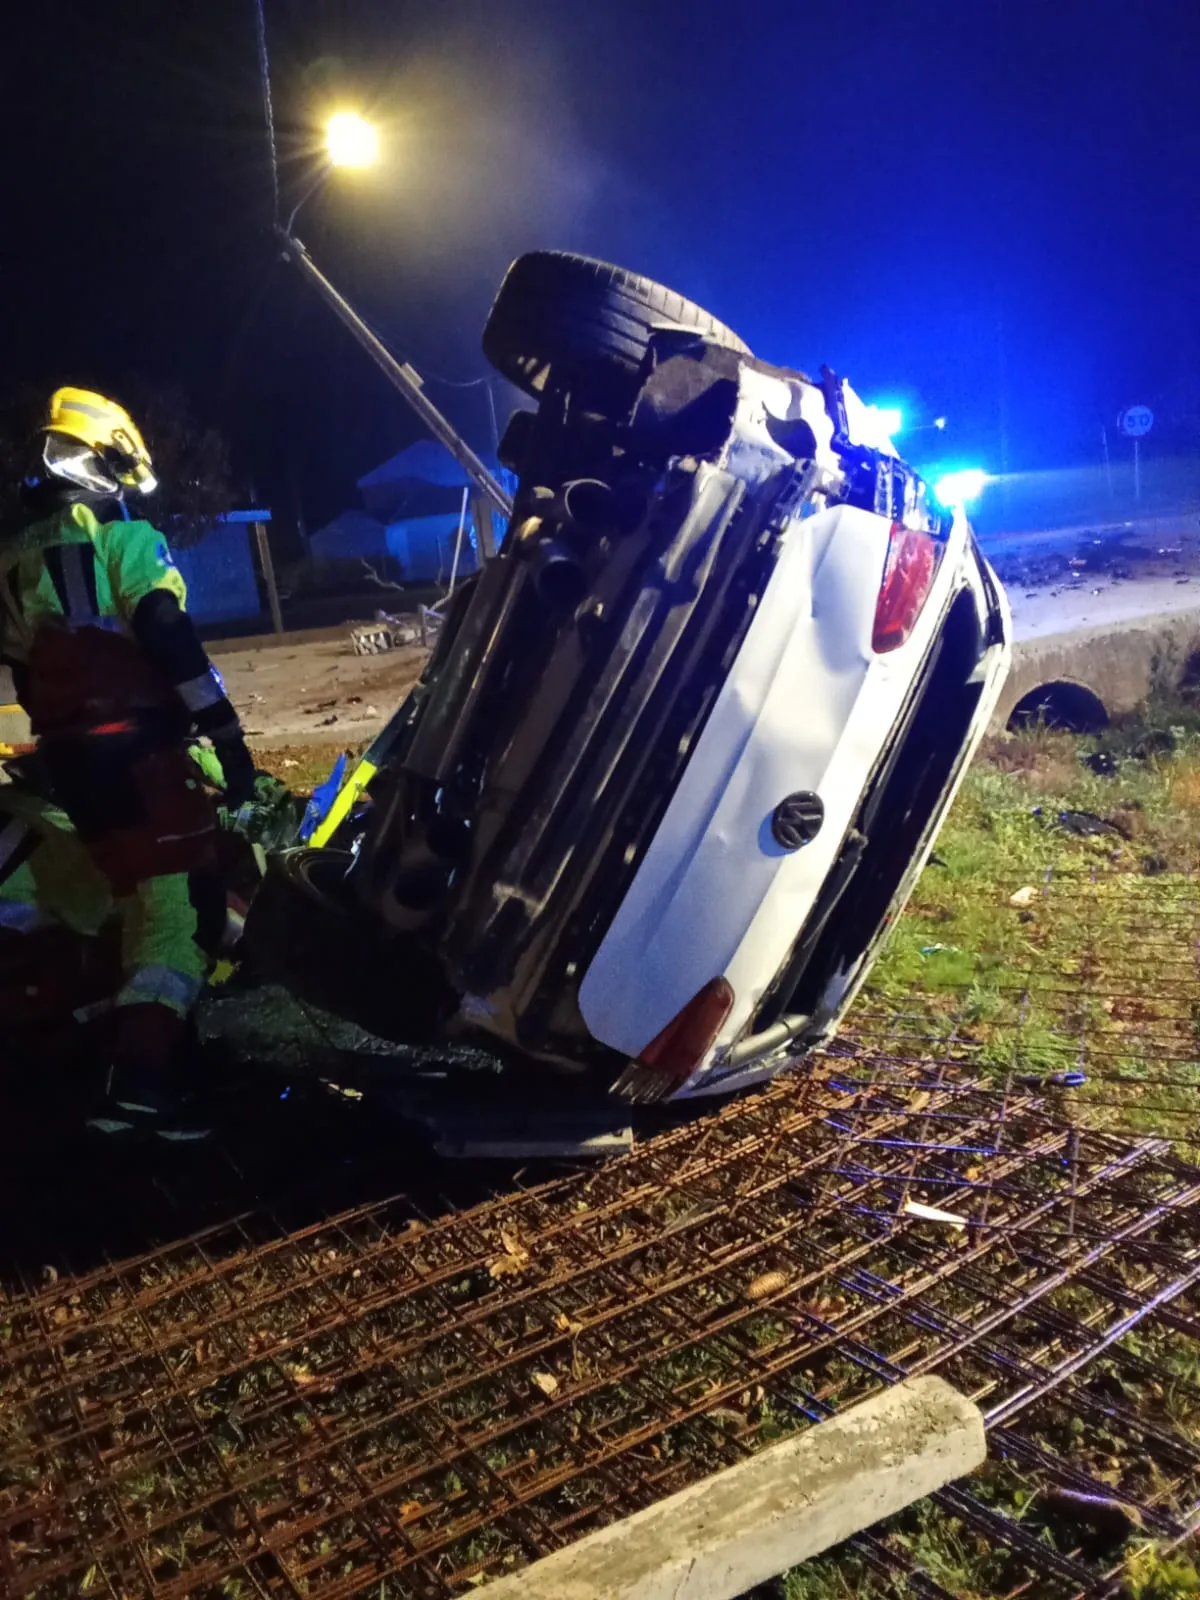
[[109, 668]]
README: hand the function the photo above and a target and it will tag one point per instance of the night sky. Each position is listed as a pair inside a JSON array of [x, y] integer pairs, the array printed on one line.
[[982, 208]]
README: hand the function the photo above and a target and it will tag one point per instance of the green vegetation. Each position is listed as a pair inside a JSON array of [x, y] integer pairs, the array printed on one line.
[[1042, 950], [1074, 978], [302, 767]]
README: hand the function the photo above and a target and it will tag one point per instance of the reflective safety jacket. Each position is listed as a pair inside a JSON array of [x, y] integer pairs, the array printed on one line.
[[47, 877], [92, 623]]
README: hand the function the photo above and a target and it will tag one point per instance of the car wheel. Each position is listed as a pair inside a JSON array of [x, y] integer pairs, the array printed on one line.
[[306, 932], [584, 319]]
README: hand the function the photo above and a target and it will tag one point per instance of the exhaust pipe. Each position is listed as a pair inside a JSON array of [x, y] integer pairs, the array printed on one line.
[[762, 1044], [558, 576]]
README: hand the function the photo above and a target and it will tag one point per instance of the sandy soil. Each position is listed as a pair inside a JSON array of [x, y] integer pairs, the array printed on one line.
[[318, 690]]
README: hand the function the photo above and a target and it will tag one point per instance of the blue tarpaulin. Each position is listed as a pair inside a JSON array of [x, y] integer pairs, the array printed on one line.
[[220, 573]]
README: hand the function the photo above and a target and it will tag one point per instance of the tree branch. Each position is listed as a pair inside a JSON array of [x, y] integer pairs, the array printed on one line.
[[384, 583]]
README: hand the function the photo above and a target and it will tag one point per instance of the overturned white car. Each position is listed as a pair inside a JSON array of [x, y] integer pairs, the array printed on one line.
[[685, 743]]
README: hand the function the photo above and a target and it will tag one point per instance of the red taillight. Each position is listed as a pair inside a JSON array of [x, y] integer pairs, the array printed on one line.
[[908, 574], [675, 1053]]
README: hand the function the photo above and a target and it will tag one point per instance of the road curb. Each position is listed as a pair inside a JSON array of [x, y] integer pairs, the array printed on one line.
[[723, 1535]]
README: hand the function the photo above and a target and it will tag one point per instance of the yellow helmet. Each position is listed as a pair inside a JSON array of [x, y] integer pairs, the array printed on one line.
[[92, 443]]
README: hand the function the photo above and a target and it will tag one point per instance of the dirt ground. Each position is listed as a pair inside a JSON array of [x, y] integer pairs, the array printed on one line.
[[304, 697], [316, 690]]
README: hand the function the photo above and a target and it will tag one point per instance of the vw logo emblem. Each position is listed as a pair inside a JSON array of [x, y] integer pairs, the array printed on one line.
[[797, 820]]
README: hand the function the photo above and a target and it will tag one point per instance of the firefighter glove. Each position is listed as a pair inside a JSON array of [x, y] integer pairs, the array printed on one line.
[[238, 766]]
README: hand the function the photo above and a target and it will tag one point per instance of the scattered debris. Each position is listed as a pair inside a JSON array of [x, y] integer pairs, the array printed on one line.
[[1023, 897], [515, 1258], [546, 1382], [385, 633], [939, 949], [923, 1213], [1084, 824], [343, 1090], [1087, 825], [1154, 742], [1102, 762], [767, 1283], [431, 624]]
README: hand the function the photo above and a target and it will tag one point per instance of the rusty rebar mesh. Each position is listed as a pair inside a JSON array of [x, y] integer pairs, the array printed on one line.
[[1108, 989], [391, 1403], [377, 1405]]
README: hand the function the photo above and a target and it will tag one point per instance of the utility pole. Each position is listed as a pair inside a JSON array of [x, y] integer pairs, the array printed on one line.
[[399, 374], [404, 378]]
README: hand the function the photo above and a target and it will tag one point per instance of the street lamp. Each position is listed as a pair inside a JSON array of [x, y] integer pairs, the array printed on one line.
[[889, 418], [351, 141]]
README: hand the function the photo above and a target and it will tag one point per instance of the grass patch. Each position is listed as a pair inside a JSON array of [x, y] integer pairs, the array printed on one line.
[[303, 766], [1077, 976], [1044, 949]]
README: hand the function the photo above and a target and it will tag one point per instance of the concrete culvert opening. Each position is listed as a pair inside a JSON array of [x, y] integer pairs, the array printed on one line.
[[1189, 678], [1068, 707]]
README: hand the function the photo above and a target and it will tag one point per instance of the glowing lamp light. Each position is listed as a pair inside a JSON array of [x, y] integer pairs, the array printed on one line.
[[889, 418], [351, 141], [956, 490]]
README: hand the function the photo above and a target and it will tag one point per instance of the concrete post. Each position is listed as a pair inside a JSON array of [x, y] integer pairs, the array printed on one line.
[[753, 1521], [481, 511], [266, 561]]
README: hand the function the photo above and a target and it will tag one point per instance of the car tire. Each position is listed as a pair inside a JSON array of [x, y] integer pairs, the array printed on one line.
[[584, 319], [305, 931]]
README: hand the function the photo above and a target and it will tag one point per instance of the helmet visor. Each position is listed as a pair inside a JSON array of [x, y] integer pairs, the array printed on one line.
[[77, 463]]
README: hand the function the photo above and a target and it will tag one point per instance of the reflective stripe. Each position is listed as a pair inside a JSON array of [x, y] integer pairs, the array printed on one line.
[[72, 569], [161, 986], [17, 636], [98, 1008], [88, 411], [194, 833], [197, 693], [12, 836], [18, 841], [81, 594], [21, 917], [106, 624]]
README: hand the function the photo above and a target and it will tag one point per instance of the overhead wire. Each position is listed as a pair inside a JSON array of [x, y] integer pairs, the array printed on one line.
[[264, 73]]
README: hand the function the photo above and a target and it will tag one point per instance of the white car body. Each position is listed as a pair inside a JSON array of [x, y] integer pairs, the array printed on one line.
[[715, 895], [564, 943]]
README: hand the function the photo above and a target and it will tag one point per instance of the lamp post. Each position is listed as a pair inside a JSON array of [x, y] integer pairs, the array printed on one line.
[[351, 141]]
